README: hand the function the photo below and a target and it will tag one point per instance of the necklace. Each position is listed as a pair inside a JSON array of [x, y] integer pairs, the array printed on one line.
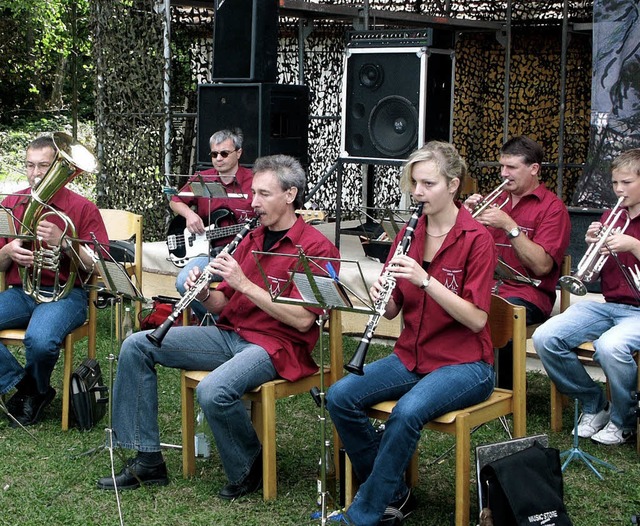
[[438, 235]]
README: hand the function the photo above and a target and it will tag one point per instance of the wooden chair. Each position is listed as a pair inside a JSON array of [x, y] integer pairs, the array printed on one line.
[[126, 226], [87, 330], [263, 411], [507, 322]]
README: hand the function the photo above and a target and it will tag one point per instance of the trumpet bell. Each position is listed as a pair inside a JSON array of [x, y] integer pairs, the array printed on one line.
[[572, 285]]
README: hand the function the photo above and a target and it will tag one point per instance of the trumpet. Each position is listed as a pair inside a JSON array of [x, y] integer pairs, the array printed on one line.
[[356, 364], [492, 199], [158, 334], [592, 262]]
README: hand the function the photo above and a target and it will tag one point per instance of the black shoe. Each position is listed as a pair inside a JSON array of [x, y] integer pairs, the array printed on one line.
[[251, 483], [399, 510], [33, 407], [136, 473], [15, 405]]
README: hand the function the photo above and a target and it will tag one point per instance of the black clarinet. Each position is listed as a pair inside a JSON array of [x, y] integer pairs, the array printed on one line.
[[203, 281], [356, 365]]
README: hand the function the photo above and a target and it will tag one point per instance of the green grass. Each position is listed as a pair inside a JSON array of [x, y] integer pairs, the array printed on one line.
[[43, 483]]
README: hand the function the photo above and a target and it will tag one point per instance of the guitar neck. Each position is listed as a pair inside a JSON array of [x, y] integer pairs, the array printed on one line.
[[214, 232]]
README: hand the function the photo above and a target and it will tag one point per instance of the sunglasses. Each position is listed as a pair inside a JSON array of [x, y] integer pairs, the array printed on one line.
[[224, 153]]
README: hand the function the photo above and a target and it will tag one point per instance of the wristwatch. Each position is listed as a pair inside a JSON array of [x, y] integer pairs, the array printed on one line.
[[514, 232], [425, 283]]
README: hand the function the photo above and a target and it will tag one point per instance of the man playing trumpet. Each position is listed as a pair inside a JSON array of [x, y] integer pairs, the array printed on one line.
[[531, 231], [612, 326]]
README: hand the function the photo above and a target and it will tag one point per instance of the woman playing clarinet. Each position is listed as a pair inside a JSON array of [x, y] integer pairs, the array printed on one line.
[[443, 358]]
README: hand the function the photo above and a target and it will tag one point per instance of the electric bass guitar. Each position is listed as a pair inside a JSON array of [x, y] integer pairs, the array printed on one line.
[[183, 245]]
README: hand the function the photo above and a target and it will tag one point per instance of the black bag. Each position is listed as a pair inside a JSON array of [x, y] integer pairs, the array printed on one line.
[[89, 395], [525, 488]]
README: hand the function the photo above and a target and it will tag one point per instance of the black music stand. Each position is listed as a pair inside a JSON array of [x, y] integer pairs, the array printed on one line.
[[318, 286]]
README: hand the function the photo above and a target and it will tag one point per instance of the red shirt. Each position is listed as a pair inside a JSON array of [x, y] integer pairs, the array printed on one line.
[[84, 215], [289, 349], [615, 288], [465, 262], [240, 206], [544, 219]]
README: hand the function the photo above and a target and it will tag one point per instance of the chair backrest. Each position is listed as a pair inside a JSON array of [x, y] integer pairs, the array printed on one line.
[[123, 226]]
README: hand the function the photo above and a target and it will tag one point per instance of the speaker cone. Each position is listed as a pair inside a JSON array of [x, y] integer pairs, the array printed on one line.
[[393, 126], [371, 76]]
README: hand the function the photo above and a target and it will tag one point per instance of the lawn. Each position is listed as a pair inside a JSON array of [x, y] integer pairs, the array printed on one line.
[[45, 482]]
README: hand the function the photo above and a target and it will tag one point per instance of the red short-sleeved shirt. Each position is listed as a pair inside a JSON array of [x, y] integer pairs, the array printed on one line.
[[84, 215], [431, 338], [241, 207], [544, 219], [615, 288], [289, 349]]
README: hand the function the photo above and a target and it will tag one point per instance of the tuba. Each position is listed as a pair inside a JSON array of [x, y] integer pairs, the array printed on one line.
[[71, 159]]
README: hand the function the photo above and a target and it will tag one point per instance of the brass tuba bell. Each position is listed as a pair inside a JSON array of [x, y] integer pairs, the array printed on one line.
[[71, 159]]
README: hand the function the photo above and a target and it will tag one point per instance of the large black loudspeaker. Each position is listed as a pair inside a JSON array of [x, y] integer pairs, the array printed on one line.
[[394, 99], [245, 40], [273, 117]]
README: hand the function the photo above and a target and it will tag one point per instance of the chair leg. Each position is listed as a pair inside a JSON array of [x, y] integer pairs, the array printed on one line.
[[556, 409], [268, 410], [66, 382], [188, 431], [463, 470]]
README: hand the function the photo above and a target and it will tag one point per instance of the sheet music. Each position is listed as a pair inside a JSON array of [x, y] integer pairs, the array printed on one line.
[[331, 292], [7, 228], [117, 279]]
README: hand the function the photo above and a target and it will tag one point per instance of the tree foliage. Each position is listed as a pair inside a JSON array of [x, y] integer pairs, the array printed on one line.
[[40, 44]]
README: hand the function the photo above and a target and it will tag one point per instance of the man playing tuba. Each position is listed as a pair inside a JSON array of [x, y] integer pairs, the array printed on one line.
[[46, 316]]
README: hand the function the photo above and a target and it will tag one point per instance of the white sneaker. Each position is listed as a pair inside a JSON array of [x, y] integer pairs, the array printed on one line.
[[611, 435], [590, 424]]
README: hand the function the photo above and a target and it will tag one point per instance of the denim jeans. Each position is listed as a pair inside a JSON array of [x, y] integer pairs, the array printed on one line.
[[237, 367], [200, 262], [46, 324], [380, 461], [613, 328]]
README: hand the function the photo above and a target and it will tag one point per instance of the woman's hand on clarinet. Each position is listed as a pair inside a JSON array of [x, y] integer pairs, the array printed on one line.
[[407, 268]]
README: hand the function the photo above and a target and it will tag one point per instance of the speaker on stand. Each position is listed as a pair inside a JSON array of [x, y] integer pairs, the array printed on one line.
[[394, 98]]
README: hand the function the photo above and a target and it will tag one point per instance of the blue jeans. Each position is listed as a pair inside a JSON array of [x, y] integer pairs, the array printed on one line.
[[380, 461], [613, 328], [200, 262], [46, 324], [237, 367]]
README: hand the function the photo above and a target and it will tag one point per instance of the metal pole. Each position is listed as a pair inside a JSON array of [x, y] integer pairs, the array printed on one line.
[[507, 74], [563, 95], [167, 87]]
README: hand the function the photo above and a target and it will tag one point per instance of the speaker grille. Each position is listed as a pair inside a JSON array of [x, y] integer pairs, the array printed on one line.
[[393, 126]]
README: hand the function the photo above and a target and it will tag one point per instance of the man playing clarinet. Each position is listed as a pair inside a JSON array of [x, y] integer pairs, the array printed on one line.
[[254, 341]]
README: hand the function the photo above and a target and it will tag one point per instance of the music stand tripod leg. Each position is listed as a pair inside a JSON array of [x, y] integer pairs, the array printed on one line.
[[576, 452]]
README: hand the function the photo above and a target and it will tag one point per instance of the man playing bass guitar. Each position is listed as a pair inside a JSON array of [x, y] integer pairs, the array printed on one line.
[[226, 149]]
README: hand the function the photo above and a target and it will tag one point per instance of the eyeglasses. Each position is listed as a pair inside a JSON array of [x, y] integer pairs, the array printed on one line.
[[224, 153], [40, 166]]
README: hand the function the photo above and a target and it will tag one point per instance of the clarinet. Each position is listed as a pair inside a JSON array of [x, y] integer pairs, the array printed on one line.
[[356, 365], [203, 281]]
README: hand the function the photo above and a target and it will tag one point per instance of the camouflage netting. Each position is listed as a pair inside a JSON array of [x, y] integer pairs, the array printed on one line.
[[130, 118]]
